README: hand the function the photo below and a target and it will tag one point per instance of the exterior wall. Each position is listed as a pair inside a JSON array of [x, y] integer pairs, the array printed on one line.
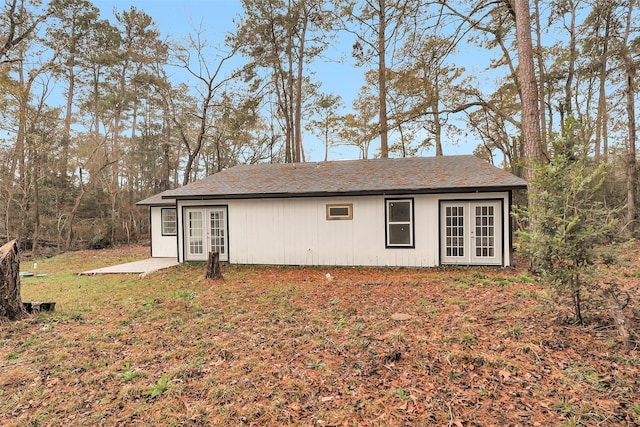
[[161, 246], [295, 231]]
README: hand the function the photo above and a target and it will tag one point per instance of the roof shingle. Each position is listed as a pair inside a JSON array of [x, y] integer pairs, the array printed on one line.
[[350, 177], [157, 200]]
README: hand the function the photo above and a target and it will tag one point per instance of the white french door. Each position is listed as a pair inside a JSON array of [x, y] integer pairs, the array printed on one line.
[[206, 231], [471, 232]]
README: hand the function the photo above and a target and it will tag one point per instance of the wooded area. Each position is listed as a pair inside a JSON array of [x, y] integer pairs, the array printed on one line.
[[96, 116]]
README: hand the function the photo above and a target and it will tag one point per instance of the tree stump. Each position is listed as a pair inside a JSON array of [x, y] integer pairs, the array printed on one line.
[[11, 307], [213, 267]]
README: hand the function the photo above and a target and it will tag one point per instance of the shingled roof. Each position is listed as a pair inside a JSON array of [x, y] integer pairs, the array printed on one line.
[[413, 175], [157, 200]]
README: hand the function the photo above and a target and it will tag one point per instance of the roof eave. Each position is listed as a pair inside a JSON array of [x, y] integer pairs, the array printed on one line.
[[391, 192], [158, 204], [164, 201]]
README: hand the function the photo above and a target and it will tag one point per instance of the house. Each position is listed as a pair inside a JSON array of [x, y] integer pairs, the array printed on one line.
[[418, 212]]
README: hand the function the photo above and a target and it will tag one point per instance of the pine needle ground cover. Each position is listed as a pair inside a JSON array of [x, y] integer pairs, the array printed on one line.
[[293, 346]]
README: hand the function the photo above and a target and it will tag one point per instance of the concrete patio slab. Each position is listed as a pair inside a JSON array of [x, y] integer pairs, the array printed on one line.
[[142, 267]]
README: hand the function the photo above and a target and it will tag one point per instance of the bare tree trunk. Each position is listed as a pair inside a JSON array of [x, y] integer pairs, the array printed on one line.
[[602, 144], [632, 171], [435, 108], [18, 161], [568, 87], [72, 215], [298, 92], [529, 92], [11, 307], [382, 80], [541, 73], [165, 170], [289, 97], [36, 204], [66, 133], [326, 144]]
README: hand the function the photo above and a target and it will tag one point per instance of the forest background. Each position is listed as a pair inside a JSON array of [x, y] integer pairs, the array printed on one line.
[[100, 108]]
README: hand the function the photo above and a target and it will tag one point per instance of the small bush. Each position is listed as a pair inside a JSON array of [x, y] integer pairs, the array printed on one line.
[[567, 225]]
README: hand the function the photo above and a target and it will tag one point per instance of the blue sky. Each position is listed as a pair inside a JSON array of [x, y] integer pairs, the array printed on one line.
[[176, 18]]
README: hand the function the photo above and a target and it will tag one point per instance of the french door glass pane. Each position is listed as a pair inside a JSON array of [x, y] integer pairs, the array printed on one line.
[[196, 243], [485, 230], [217, 232], [454, 231]]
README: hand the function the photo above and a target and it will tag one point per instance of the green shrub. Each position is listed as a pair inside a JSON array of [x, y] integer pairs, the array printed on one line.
[[569, 227]]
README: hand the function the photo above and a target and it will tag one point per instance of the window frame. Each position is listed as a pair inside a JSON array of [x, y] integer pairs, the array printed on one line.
[[347, 217], [410, 223], [163, 222]]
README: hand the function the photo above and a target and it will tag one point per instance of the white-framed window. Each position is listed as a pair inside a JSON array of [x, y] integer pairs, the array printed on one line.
[[399, 219], [340, 211], [169, 221]]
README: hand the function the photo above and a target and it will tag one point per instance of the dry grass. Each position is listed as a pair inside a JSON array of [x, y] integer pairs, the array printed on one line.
[[286, 346]]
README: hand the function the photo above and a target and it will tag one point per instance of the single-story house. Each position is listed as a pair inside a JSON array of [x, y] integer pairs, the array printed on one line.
[[418, 212]]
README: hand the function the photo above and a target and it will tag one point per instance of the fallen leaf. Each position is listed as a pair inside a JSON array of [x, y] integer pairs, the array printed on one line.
[[401, 316], [504, 374]]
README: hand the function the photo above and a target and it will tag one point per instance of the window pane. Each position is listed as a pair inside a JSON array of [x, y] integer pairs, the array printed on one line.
[[169, 222], [218, 229], [399, 211], [339, 211], [454, 231], [196, 244], [399, 234]]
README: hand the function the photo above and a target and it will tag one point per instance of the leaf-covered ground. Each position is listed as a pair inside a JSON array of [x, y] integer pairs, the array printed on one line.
[[293, 346]]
